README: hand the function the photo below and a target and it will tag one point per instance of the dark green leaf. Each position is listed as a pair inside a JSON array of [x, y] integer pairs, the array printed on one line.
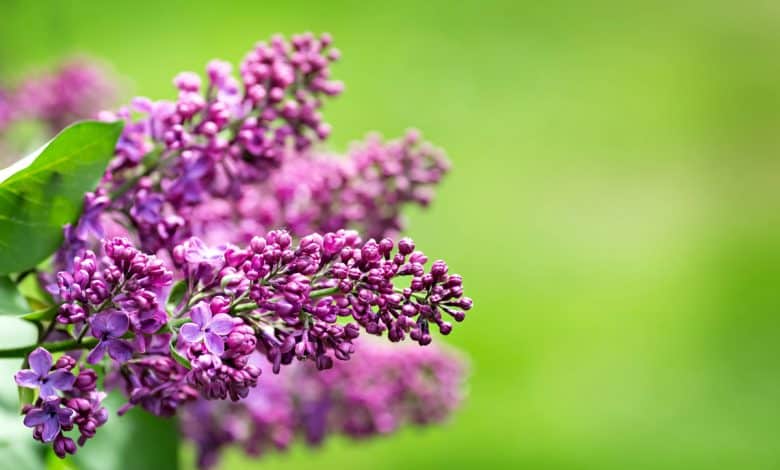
[[11, 300], [45, 314], [135, 441], [174, 298], [37, 201]]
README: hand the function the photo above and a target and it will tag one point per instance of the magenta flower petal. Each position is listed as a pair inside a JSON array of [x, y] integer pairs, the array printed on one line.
[[40, 361], [47, 390], [27, 378], [201, 314], [221, 324], [191, 332], [35, 417], [65, 415], [51, 427], [215, 344], [99, 324], [97, 353], [117, 324], [61, 380], [120, 350]]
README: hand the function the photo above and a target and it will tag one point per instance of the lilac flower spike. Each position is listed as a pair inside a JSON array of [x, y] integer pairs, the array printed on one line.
[[40, 375], [108, 328], [49, 419], [207, 327]]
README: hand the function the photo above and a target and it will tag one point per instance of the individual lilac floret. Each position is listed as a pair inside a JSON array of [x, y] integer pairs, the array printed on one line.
[[41, 376], [49, 419], [207, 327], [108, 328], [199, 262]]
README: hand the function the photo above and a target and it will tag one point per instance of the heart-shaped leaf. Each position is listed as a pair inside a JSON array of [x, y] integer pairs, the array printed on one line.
[[36, 201]]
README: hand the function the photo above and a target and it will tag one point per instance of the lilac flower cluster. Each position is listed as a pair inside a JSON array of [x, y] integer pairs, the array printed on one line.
[[217, 137], [66, 400], [273, 297], [174, 319], [77, 89], [375, 393], [293, 296], [112, 306], [311, 192], [122, 296]]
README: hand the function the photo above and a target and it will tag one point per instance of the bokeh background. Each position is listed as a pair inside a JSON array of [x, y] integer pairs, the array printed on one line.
[[614, 205]]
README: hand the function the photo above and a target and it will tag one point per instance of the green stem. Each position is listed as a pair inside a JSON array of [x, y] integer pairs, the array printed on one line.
[[58, 346]]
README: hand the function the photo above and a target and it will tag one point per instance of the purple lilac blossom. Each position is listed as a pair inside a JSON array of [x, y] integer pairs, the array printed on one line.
[[378, 391], [245, 147], [41, 376], [77, 89], [207, 328], [108, 328], [73, 403], [217, 136], [365, 190]]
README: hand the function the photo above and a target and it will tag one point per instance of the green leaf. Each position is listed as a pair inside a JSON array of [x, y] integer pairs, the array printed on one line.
[[136, 441], [178, 356], [37, 201], [11, 300], [176, 295], [36, 296], [44, 314]]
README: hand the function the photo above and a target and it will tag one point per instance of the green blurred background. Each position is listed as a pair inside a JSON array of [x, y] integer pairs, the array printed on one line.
[[614, 206]]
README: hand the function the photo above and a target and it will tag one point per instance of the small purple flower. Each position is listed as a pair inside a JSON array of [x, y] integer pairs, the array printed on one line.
[[108, 328], [201, 262], [40, 375], [51, 417], [208, 327]]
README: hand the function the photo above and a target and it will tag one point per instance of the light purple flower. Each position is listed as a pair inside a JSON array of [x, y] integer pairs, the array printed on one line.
[[108, 328], [201, 262], [50, 417], [207, 327], [40, 375]]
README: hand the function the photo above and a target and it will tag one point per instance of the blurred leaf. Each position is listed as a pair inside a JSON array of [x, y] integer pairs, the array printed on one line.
[[11, 300], [37, 201], [136, 441], [16, 333], [34, 293], [18, 450]]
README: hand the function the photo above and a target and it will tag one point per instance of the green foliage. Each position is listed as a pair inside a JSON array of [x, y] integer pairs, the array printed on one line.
[[11, 300], [37, 201]]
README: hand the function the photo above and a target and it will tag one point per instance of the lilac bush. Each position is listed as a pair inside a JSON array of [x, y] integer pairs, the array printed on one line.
[[75, 89], [225, 259]]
